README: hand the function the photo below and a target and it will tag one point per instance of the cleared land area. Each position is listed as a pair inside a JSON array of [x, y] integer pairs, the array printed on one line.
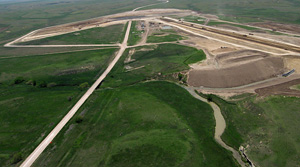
[[238, 75], [280, 89], [37, 91], [139, 125], [101, 35]]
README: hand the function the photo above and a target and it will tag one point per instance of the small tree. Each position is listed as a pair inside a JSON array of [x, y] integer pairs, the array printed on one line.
[[209, 98], [180, 76], [79, 119]]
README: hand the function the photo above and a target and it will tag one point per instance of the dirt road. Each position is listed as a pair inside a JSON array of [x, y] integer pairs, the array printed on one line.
[[42, 146], [220, 124]]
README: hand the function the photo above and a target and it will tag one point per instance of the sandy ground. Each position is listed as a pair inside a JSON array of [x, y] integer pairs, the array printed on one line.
[[280, 89], [237, 75], [262, 34], [292, 62], [278, 26]]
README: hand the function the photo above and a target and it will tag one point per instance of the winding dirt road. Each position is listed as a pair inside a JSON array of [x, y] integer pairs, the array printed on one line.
[[42, 146]]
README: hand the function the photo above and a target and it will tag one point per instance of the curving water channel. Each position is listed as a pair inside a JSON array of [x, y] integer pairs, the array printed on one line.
[[220, 124]]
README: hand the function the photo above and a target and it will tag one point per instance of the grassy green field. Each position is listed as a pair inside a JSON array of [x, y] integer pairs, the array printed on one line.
[[147, 124], [70, 68], [23, 17], [194, 19], [100, 35], [157, 62], [169, 36], [28, 114], [37, 91], [135, 34], [24, 52], [268, 126]]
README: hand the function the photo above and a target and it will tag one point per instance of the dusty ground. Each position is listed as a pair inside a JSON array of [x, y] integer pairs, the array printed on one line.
[[239, 57], [292, 62], [237, 75], [278, 26], [280, 89], [262, 33]]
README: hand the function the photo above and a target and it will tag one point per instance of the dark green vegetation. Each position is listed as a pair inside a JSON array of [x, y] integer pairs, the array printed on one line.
[[37, 91], [20, 52], [164, 36], [243, 10], [148, 124], [156, 62], [135, 34], [100, 35], [268, 125], [71, 68], [28, 114]]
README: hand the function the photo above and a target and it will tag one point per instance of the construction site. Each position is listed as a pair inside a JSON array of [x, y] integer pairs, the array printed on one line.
[[238, 61]]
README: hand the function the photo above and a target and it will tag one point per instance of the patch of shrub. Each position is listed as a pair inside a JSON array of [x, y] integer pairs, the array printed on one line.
[[84, 85], [52, 84], [19, 80], [180, 76], [209, 98], [31, 82], [17, 157], [79, 119], [43, 84]]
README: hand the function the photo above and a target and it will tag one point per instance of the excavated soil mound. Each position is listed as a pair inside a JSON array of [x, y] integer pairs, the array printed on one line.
[[237, 75]]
